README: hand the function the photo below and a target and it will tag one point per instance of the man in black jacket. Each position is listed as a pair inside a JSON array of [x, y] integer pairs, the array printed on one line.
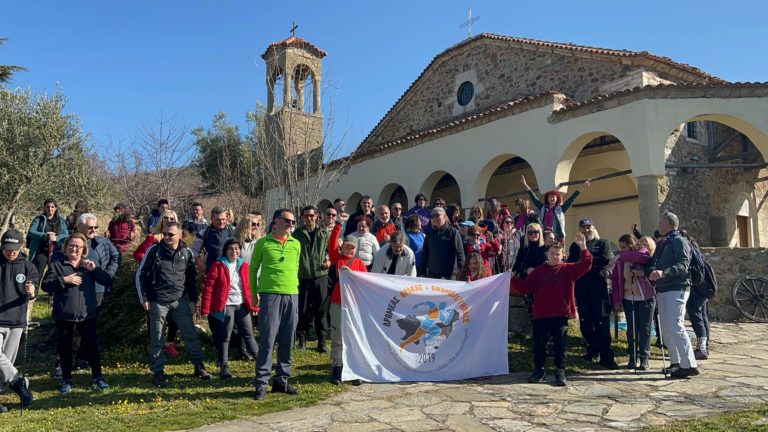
[[592, 297], [166, 286], [366, 208], [443, 250], [18, 278]]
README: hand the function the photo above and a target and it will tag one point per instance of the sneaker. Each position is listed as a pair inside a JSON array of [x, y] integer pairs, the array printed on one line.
[[681, 373], [21, 388], [224, 372], [632, 363], [66, 387], [537, 376], [171, 350], [33, 325], [57, 373], [336, 375], [100, 384], [284, 388], [158, 379], [673, 367], [560, 379], [701, 354], [643, 364], [201, 373], [609, 364], [321, 348], [260, 394]]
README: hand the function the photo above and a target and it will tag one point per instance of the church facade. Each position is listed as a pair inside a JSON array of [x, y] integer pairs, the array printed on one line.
[[654, 133]]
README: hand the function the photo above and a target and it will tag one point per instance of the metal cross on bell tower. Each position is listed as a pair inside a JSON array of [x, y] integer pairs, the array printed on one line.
[[468, 23], [293, 29]]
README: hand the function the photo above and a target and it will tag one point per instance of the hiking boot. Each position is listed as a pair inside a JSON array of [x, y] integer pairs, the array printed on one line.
[[682, 373], [560, 379], [356, 382], [224, 372], [590, 357], [20, 387], [632, 363], [201, 373], [609, 364], [701, 354], [284, 388], [66, 387], [158, 379], [260, 394], [171, 350], [100, 384], [537, 376], [301, 341], [336, 375], [643, 364], [673, 367]]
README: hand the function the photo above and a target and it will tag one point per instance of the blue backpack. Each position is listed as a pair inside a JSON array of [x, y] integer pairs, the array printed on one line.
[[702, 275]]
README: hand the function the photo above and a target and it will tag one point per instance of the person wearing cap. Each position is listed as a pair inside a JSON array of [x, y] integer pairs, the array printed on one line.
[[443, 249], [121, 230], [17, 288], [342, 258], [669, 269], [464, 229], [593, 299], [421, 210], [275, 287]]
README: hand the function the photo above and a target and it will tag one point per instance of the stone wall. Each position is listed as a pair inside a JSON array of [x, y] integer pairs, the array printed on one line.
[[500, 73], [730, 265]]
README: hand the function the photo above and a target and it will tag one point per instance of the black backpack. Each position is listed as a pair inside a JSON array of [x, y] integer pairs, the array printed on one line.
[[702, 275]]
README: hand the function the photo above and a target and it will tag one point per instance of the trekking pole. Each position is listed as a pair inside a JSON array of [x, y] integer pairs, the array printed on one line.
[[663, 357], [24, 353], [634, 331]]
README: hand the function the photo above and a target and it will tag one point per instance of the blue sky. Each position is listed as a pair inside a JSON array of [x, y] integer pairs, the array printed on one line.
[[123, 64]]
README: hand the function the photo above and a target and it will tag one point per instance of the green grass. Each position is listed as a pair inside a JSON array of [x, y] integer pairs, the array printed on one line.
[[742, 420]]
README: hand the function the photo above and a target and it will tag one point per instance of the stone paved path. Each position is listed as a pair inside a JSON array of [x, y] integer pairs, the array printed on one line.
[[735, 375]]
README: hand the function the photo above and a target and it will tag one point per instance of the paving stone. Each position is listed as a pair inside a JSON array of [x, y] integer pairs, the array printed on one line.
[[626, 425], [421, 399], [595, 390], [626, 413], [493, 412], [537, 410], [367, 405], [510, 425], [492, 404], [674, 409], [583, 427], [462, 423], [397, 414], [446, 408], [592, 409], [468, 395], [418, 425], [350, 417], [358, 427]]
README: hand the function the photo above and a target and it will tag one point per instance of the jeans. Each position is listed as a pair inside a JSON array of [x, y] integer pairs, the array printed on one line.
[[697, 309], [312, 293], [65, 332], [234, 316], [278, 316], [181, 313], [673, 334], [639, 323], [543, 329]]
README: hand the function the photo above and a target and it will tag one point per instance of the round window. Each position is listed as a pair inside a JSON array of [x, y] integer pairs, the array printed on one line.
[[465, 93]]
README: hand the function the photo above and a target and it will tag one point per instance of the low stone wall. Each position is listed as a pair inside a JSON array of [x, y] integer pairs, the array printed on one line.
[[730, 264]]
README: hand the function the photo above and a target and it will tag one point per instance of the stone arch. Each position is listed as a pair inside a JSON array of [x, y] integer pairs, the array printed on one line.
[[392, 193], [572, 151], [303, 89], [611, 203], [501, 176], [353, 203], [441, 184], [323, 205]]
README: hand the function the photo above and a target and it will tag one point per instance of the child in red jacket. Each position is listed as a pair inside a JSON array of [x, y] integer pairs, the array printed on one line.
[[227, 301], [552, 284], [343, 261]]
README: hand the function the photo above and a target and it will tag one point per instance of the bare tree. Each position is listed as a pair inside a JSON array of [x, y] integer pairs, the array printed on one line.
[[153, 166]]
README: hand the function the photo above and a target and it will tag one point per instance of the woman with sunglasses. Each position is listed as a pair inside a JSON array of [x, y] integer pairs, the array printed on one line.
[[532, 254], [247, 232], [508, 237]]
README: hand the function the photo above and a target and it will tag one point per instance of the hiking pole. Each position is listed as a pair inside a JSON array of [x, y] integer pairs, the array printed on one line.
[[634, 332], [661, 338], [24, 353]]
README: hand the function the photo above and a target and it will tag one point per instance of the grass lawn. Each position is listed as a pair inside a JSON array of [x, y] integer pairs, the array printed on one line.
[[749, 419], [133, 403]]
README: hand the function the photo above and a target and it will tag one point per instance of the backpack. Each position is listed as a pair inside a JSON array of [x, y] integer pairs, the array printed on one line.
[[702, 275]]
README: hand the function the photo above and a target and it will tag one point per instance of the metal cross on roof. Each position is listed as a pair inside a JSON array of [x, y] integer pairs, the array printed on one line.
[[293, 29], [468, 23]]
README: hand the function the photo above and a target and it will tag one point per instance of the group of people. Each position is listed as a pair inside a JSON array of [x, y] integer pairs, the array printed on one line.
[[287, 274]]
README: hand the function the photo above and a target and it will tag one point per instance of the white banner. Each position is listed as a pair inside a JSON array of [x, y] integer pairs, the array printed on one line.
[[398, 328]]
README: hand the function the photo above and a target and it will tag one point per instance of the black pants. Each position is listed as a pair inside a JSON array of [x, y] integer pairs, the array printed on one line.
[[234, 316], [312, 293], [81, 350], [40, 261], [543, 329], [594, 308], [65, 332]]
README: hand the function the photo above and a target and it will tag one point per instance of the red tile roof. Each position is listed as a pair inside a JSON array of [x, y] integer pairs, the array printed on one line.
[[295, 42]]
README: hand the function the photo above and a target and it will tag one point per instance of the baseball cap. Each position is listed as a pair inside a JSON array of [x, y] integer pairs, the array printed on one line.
[[12, 240], [467, 223], [438, 211], [585, 221], [350, 239]]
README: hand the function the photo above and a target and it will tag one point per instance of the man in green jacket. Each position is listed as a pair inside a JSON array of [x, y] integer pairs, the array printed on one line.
[[277, 287], [313, 278]]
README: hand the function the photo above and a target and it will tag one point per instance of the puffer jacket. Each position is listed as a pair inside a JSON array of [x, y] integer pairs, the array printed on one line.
[[367, 247], [672, 257], [217, 284]]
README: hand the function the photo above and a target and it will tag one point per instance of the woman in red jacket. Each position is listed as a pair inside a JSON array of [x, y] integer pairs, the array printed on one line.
[[227, 302], [345, 260], [487, 247]]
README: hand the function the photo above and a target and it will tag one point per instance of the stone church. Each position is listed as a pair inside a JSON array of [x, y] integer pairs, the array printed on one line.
[[655, 134]]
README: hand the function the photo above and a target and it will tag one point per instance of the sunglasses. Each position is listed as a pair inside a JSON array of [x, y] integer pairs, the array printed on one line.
[[534, 232], [169, 235], [288, 221], [255, 224]]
